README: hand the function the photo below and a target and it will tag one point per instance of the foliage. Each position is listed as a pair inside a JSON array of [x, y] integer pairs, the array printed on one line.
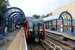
[[3, 7], [36, 16], [43, 16]]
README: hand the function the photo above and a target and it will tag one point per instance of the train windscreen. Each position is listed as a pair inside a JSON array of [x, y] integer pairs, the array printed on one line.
[[41, 26], [35, 26], [30, 26]]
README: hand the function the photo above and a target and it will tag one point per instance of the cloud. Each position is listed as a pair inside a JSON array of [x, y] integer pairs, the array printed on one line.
[[39, 7]]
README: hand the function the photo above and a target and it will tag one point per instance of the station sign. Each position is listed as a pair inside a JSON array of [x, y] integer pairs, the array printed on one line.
[[7, 19], [66, 21]]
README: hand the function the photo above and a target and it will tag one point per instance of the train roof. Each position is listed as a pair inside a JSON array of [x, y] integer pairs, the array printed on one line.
[[35, 19], [30, 18]]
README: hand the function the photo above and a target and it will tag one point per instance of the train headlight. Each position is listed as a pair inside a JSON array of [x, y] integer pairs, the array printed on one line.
[[42, 33], [29, 33]]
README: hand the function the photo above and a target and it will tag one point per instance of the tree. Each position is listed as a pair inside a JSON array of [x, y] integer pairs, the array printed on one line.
[[43, 16], [3, 6], [36, 16]]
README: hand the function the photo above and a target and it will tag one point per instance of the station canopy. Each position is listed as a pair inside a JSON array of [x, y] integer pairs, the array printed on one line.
[[63, 15], [14, 12]]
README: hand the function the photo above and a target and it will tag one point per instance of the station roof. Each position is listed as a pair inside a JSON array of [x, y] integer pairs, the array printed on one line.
[[52, 17], [63, 15], [14, 12]]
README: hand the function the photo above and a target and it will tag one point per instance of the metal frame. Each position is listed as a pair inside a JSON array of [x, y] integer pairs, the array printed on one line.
[[3, 25], [13, 12], [60, 16]]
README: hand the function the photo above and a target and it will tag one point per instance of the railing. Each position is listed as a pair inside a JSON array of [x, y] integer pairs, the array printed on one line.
[[4, 30]]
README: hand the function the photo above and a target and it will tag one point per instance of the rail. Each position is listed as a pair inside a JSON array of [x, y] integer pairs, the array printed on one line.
[[55, 46]]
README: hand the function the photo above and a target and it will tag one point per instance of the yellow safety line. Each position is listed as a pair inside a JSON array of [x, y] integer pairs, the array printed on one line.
[[13, 44], [18, 33], [21, 41], [21, 44]]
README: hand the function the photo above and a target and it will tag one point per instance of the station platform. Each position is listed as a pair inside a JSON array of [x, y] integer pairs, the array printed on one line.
[[14, 40], [66, 35]]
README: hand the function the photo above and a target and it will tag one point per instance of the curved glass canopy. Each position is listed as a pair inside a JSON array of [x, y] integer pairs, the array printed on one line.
[[14, 12], [63, 15]]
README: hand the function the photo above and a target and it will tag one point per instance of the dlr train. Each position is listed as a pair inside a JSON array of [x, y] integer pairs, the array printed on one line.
[[34, 28]]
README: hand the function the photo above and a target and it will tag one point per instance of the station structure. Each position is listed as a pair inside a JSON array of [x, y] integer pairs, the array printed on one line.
[[63, 16], [13, 17], [62, 22]]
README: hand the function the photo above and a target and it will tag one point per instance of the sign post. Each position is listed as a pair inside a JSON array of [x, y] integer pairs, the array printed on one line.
[[61, 28]]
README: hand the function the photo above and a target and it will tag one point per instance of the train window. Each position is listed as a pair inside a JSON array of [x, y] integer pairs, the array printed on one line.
[[30, 26], [35, 26], [41, 26]]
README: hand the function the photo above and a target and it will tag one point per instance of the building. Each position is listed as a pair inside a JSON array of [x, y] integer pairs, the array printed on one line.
[[70, 8], [64, 16], [50, 14]]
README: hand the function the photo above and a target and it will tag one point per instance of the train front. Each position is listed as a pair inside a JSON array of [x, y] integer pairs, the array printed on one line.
[[36, 29]]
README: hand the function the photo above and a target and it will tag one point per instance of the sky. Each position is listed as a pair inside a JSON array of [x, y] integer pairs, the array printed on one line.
[[39, 7]]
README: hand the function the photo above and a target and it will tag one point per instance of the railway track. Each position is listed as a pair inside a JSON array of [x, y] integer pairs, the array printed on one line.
[[49, 43], [55, 43], [62, 39], [37, 46]]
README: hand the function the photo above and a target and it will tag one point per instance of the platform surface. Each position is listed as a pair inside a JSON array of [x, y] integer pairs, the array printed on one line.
[[14, 40], [6, 40], [19, 42]]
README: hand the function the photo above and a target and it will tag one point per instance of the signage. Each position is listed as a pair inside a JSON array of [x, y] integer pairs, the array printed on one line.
[[6, 18], [35, 20], [66, 21], [36, 33]]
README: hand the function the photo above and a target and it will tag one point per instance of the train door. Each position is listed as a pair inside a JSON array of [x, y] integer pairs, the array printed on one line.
[[36, 31], [36, 28]]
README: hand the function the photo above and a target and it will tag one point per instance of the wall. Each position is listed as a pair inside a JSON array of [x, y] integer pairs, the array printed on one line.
[[70, 8]]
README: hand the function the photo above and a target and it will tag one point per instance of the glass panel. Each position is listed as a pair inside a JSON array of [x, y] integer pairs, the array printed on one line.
[[66, 16], [59, 22], [58, 27], [74, 25], [50, 27], [46, 27], [12, 10], [41, 26], [8, 13], [6, 21], [47, 23], [35, 26], [30, 26], [54, 22], [50, 23], [74, 29], [67, 25]]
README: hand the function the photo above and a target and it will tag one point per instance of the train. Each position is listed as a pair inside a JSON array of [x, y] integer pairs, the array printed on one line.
[[34, 28]]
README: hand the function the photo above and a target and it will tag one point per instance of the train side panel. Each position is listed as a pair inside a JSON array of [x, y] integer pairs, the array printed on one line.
[[44, 28]]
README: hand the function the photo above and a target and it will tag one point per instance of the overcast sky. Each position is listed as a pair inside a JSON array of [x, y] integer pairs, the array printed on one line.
[[39, 7]]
